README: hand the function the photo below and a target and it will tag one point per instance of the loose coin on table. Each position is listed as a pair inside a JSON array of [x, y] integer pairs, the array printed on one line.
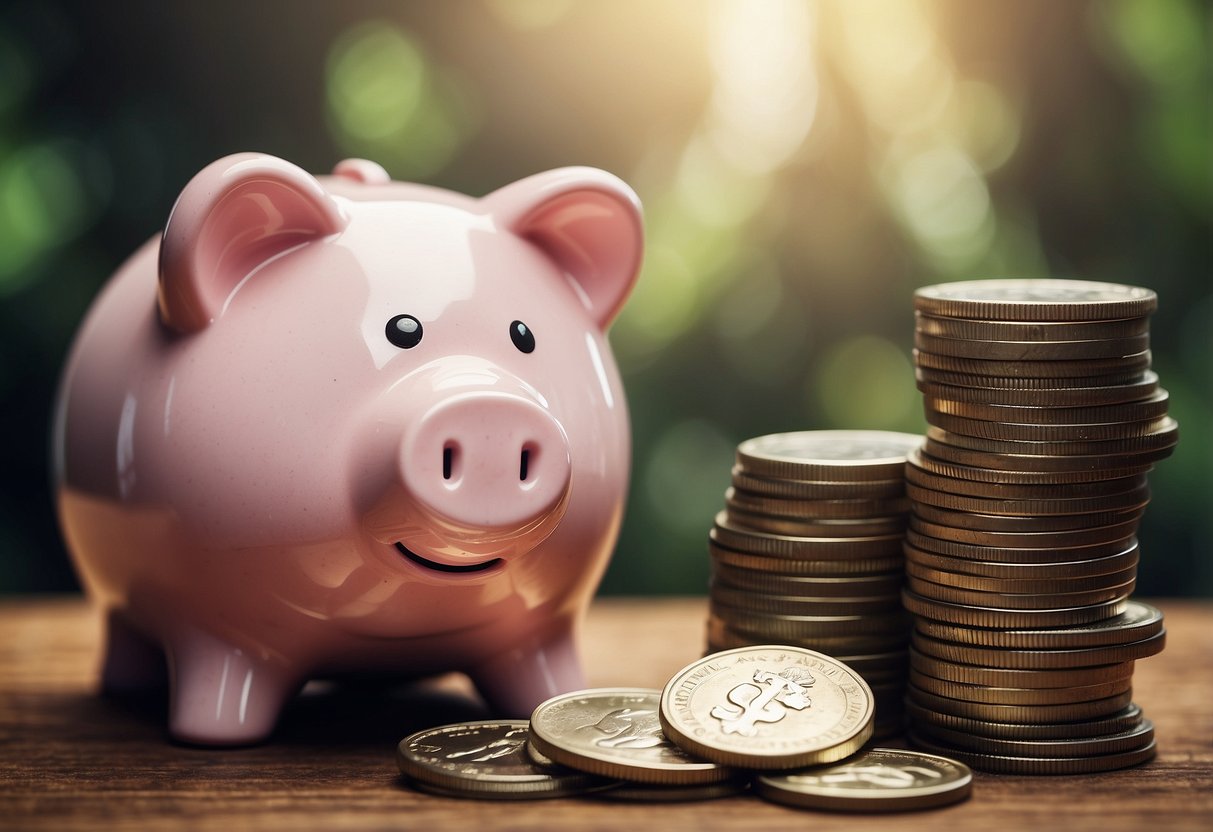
[[485, 759], [768, 707], [877, 780], [616, 732]]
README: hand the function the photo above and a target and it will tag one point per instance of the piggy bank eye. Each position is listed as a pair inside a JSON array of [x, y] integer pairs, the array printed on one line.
[[522, 337], [404, 331]]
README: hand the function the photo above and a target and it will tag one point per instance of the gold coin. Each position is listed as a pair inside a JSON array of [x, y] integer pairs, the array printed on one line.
[[977, 330], [1041, 659], [877, 780], [1045, 552], [1024, 524], [767, 604], [1036, 601], [1020, 714], [769, 707], [1152, 406], [1062, 396], [1059, 584], [1165, 435], [616, 733], [997, 505], [967, 673], [1035, 300], [1123, 720], [1090, 746], [1080, 432], [1136, 622], [1008, 764], [829, 455], [798, 547], [815, 528], [774, 487], [1031, 350], [836, 567], [484, 759], [880, 585], [1003, 619], [852, 509]]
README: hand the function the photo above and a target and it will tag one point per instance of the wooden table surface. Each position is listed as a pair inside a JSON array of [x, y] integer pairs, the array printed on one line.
[[72, 760]]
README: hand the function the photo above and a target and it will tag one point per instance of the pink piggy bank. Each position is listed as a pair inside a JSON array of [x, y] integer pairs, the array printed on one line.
[[349, 425]]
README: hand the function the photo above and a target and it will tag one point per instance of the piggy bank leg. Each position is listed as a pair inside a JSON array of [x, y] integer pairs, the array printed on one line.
[[223, 695], [517, 680], [132, 663]]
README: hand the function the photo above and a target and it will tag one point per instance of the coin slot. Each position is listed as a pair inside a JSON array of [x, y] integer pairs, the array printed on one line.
[[524, 463], [450, 461]]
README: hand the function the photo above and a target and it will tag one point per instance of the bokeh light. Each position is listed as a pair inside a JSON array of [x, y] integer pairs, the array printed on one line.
[[804, 165]]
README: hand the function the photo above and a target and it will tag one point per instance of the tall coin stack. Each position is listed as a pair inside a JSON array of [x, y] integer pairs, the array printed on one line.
[[1021, 554], [808, 552]]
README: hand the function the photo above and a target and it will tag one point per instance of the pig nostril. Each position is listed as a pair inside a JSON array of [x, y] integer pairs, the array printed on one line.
[[523, 464], [448, 460]]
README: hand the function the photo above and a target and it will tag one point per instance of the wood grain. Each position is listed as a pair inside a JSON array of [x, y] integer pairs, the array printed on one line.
[[70, 759]]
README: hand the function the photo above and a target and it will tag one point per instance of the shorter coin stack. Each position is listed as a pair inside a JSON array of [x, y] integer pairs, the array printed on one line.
[[808, 552], [1044, 419]]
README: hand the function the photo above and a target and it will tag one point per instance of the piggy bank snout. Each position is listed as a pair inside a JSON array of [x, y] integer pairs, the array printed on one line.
[[487, 465]]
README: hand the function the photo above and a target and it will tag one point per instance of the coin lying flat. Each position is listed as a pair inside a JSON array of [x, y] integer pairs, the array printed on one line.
[[877, 780], [485, 759], [1030, 351], [1125, 719], [1147, 406], [829, 455], [1008, 764], [986, 330], [1035, 300], [1020, 714], [1137, 621], [616, 732], [1131, 739], [1002, 657], [770, 707]]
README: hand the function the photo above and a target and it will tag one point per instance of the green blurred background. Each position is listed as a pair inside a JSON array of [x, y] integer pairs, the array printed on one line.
[[804, 166]]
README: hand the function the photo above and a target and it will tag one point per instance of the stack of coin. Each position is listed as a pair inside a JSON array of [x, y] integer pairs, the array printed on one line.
[[1021, 554], [808, 552]]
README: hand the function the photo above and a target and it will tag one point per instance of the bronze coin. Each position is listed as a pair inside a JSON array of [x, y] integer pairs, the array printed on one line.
[[1108, 465], [1137, 621], [1125, 719], [1056, 397], [854, 509], [970, 674], [1004, 431], [1007, 764], [1151, 406], [1031, 350], [817, 528], [1022, 574], [1020, 714], [1059, 369], [1004, 619], [1019, 601], [1027, 540], [919, 476], [816, 489], [977, 330], [1118, 377], [1165, 436], [881, 585], [835, 568], [976, 472], [1021, 523], [996, 505], [1041, 659], [1045, 552], [799, 547], [963, 580], [1035, 300]]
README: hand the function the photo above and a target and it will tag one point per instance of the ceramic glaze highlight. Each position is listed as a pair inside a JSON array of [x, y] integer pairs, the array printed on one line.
[[301, 434]]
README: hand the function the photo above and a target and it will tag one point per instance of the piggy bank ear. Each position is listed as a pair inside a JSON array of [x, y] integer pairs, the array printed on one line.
[[588, 222], [232, 217]]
